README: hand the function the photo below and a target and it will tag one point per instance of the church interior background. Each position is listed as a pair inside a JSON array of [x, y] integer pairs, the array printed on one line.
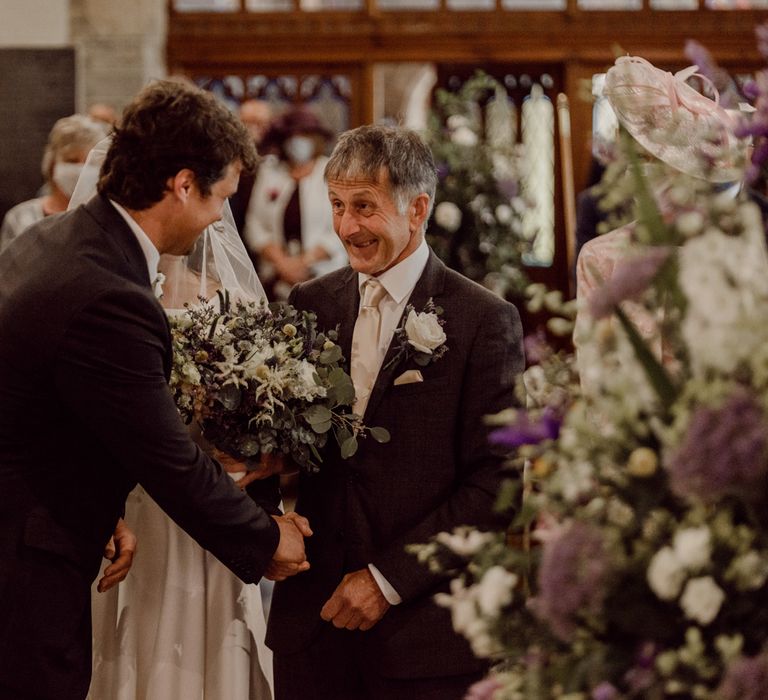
[[358, 61]]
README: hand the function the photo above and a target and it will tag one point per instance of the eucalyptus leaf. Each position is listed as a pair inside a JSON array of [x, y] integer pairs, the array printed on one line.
[[317, 414], [380, 434], [349, 447], [328, 357], [342, 435], [321, 427]]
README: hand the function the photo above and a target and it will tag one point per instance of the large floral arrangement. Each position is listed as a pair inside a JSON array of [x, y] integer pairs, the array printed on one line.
[[477, 227], [636, 566], [263, 379]]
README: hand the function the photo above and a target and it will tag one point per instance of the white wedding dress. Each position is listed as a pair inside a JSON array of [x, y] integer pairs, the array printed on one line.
[[181, 626]]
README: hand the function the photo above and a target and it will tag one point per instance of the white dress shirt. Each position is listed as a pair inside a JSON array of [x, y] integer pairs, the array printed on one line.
[[148, 248], [399, 281]]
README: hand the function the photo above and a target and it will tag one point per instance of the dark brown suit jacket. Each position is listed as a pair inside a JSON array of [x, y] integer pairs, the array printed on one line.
[[437, 472], [85, 414]]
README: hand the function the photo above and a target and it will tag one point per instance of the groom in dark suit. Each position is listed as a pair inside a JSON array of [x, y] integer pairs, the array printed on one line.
[[85, 410], [361, 623]]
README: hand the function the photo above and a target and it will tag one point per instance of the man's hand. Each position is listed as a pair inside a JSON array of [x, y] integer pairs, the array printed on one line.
[[119, 550], [289, 558], [357, 602]]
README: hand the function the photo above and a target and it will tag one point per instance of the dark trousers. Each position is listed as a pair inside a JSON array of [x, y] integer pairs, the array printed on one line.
[[9, 694], [332, 669]]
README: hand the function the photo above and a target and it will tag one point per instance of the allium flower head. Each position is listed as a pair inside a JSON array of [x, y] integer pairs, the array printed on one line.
[[723, 451], [630, 278], [572, 578]]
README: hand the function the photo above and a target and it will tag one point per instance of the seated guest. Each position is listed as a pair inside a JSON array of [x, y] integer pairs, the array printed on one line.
[[68, 145]]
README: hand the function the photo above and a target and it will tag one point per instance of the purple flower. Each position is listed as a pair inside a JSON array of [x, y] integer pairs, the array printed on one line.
[[642, 675], [507, 187], [524, 431], [629, 278], [483, 690], [536, 347], [745, 679], [605, 691], [572, 578], [761, 32], [723, 451], [724, 84], [442, 171]]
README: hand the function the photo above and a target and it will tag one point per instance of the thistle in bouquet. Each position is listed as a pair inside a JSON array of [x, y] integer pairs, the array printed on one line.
[[262, 379]]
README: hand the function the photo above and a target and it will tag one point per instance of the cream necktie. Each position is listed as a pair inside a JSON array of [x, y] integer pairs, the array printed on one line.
[[365, 344]]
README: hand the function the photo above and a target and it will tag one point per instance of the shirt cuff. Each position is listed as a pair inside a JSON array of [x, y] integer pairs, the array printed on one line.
[[386, 587]]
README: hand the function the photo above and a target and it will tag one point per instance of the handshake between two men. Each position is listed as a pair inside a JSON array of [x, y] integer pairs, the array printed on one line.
[[289, 558]]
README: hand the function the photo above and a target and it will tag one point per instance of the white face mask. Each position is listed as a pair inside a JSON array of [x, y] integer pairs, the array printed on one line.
[[66, 175], [299, 149]]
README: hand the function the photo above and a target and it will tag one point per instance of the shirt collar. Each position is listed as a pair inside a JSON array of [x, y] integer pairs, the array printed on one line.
[[400, 280], [148, 248]]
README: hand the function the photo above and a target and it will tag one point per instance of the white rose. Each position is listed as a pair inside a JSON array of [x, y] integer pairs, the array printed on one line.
[[693, 547], [701, 599], [424, 331], [495, 590], [464, 136], [665, 574], [448, 216]]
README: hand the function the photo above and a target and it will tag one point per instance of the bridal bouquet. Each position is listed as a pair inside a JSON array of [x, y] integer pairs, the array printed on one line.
[[636, 561], [263, 379]]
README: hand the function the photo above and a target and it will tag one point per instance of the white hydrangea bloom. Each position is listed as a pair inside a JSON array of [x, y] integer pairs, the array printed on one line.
[[729, 274], [494, 590], [693, 547], [701, 599], [665, 574], [464, 541]]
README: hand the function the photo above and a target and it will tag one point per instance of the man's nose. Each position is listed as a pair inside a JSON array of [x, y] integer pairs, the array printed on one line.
[[348, 225]]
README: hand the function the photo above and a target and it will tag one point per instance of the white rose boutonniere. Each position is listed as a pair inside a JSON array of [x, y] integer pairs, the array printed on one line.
[[421, 336], [424, 331]]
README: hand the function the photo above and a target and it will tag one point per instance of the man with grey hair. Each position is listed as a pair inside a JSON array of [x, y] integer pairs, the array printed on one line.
[[362, 622]]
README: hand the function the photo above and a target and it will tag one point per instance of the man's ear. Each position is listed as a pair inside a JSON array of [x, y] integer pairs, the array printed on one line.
[[181, 184], [418, 211]]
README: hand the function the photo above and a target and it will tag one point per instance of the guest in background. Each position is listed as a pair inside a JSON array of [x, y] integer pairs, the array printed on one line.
[[256, 116], [655, 108], [289, 224], [68, 145], [103, 112]]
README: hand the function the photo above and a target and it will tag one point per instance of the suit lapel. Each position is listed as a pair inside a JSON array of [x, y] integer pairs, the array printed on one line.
[[347, 296], [429, 286]]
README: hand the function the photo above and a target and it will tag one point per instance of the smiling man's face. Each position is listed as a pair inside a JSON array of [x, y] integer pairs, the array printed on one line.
[[366, 219]]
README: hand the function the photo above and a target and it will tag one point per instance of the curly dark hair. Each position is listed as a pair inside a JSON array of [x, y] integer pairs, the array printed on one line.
[[168, 127]]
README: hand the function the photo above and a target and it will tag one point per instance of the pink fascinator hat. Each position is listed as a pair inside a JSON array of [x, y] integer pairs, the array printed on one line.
[[672, 121]]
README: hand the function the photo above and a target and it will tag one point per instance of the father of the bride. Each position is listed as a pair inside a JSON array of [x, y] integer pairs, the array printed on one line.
[[85, 410], [362, 623]]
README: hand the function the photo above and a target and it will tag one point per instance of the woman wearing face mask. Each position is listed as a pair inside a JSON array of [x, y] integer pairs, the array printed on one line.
[[289, 224], [69, 142]]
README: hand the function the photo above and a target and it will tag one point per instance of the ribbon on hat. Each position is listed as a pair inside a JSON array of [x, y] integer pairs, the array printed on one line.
[[647, 100]]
